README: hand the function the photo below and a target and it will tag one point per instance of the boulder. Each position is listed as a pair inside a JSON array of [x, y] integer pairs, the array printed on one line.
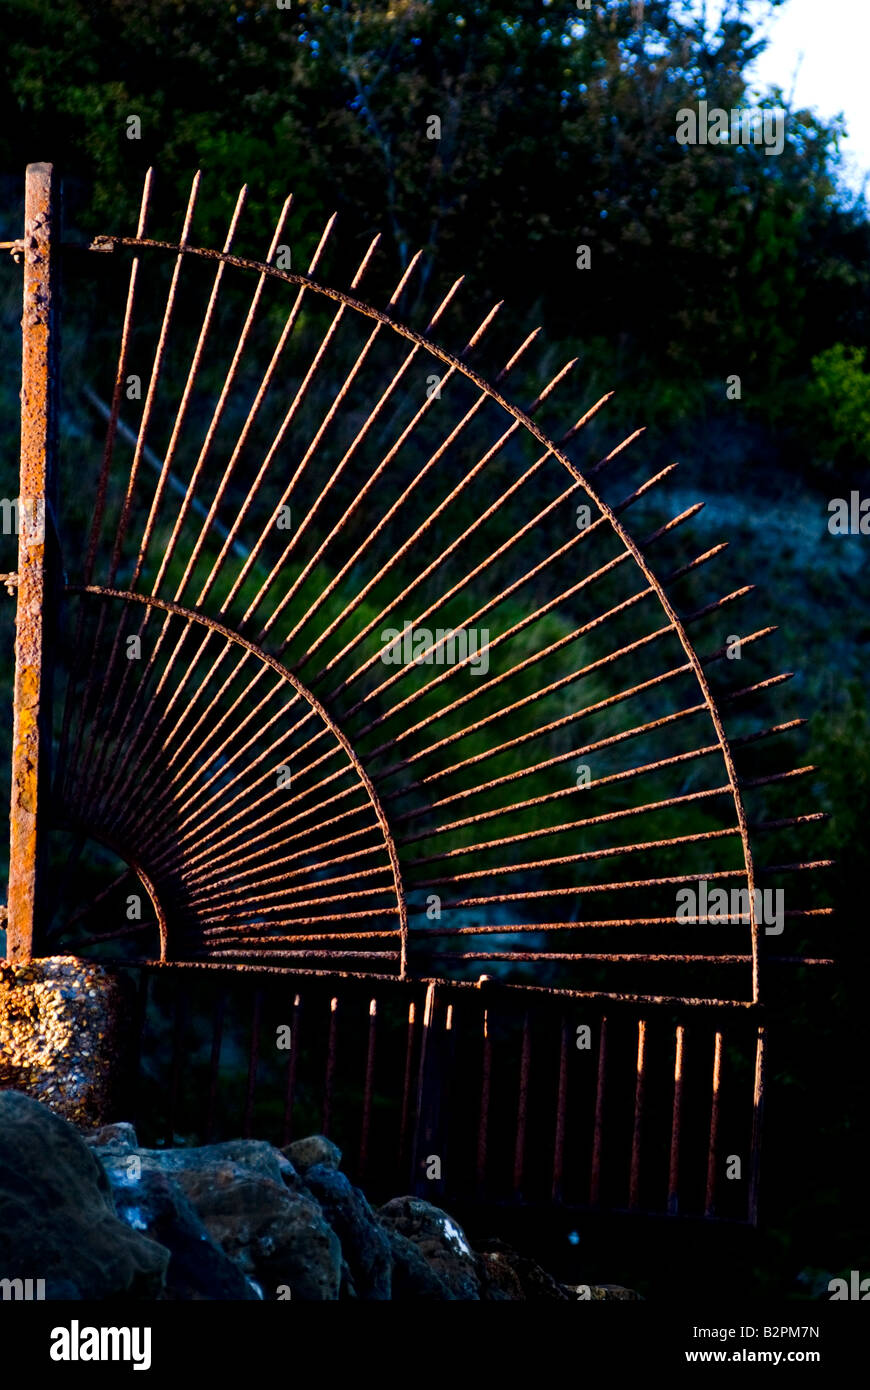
[[413, 1278], [57, 1215], [279, 1238], [251, 1205], [152, 1203], [439, 1239], [536, 1285], [499, 1280], [316, 1149], [363, 1242], [193, 1165], [112, 1139]]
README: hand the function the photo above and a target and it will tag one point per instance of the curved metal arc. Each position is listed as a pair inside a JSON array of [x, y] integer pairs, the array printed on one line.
[[72, 823], [191, 615], [449, 359]]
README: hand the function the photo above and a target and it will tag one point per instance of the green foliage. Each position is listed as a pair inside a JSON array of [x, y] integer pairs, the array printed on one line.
[[557, 130], [840, 393]]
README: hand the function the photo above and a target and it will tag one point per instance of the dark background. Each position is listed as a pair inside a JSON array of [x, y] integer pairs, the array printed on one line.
[[557, 131]]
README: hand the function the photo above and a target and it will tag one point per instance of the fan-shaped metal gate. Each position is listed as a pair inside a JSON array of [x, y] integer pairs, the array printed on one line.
[[368, 675]]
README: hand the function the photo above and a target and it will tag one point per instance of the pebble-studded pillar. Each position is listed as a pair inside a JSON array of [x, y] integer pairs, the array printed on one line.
[[63, 1031]]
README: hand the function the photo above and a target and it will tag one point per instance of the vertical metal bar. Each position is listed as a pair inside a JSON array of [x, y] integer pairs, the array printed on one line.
[[559, 1140], [710, 1200], [757, 1117], [253, 1059], [180, 1007], [448, 1078], [214, 1064], [406, 1090], [640, 1085], [674, 1169], [369, 1083], [290, 1091], [522, 1106], [595, 1173], [329, 1080], [429, 1126], [31, 735], [485, 1090]]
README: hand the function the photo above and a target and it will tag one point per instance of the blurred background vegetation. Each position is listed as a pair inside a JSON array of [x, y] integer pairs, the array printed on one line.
[[557, 131]]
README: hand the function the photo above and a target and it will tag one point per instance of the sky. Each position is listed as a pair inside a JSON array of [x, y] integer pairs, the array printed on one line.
[[819, 53]]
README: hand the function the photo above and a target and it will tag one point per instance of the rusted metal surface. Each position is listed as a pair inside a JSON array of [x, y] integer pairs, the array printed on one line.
[[32, 691], [329, 1082], [713, 1151], [676, 1121], [290, 503], [561, 1109], [202, 850], [290, 1089], [644, 1156], [522, 1106], [369, 1084], [637, 1132]]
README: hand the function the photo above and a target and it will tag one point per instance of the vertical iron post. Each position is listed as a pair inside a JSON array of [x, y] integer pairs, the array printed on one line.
[[429, 1132], [31, 729]]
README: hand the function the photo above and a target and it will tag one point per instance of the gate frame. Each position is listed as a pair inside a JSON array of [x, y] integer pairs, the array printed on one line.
[[38, 579], [37, 556]]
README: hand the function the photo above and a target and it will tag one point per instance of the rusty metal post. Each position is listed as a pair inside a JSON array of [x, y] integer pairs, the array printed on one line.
[[430, 1127], [31, 730]]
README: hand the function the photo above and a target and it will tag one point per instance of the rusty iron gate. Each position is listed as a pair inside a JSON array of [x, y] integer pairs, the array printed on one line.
[[393, 707]]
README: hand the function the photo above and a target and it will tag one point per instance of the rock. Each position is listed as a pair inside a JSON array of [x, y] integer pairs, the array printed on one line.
[[613, 1293], [276, 1236], [499, 1282], [57, 1216], [438, 1238], [363, 1242], [242, 1219], [198, 1269], [253, 1154], [535, 1283], [112, 1139], [64, 1036], [251, 1204], [346, 1288], [316, 1149], [413, 1277]]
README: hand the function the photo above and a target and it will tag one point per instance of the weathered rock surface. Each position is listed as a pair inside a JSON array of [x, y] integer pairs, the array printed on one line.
[[316, 1149], [57, 1216], [441, 1242], [198, 1269], [506, 1267], [100, 1217], [364, 1243], [250, 1202], [413, 1276], [62, 1035], [277, 1237]]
